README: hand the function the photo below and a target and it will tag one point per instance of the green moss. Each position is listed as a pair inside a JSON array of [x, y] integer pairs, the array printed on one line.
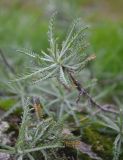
[[101, 144], [101, 141], [5, 104]]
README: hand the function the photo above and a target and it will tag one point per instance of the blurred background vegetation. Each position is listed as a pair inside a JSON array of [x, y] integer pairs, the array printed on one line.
[[24, 24]]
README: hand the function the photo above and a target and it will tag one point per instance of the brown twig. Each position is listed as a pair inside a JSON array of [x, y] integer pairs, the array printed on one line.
[[83, 92]]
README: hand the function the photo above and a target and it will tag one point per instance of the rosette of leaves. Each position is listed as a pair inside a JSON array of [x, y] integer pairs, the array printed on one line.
[[36, 138], [59, 59], [44, 138]]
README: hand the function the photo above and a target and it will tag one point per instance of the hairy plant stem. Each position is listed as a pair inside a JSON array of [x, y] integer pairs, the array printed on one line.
[[7, 151], [82, 92], [6, 62], [42, 148]]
